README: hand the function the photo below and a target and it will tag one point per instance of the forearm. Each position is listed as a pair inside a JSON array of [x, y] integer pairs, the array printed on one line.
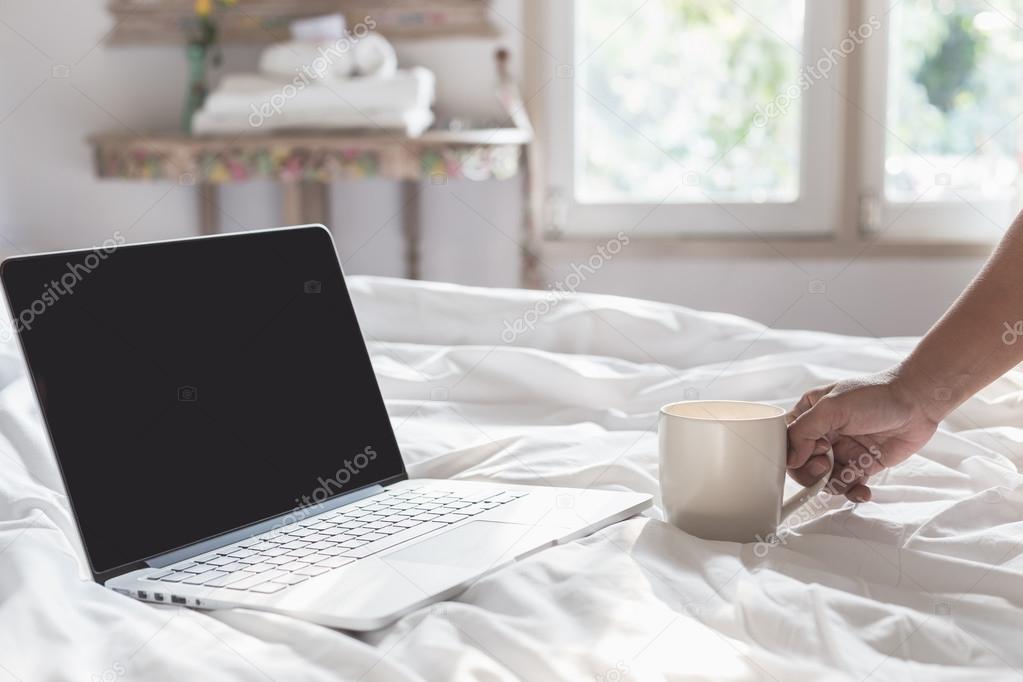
[[975, 342]]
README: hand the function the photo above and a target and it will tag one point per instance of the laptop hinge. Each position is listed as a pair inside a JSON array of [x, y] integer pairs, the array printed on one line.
[[299, 514]]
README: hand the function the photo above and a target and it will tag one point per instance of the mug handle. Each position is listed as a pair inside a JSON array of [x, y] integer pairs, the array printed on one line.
[[798, 499]]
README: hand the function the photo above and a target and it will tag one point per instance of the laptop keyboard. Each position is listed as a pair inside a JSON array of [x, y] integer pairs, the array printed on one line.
[[292, 554]]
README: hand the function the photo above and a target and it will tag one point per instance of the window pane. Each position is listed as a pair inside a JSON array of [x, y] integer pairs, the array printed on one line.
[[682, 86], [954, 101]]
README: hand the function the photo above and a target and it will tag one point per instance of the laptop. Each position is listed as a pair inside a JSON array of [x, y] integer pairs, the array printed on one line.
[[223, 441]]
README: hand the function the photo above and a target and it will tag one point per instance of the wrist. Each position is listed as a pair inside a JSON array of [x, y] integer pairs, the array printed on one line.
[[926, 393]]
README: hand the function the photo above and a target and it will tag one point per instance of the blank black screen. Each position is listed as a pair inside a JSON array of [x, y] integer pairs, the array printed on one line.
[[194, 387]]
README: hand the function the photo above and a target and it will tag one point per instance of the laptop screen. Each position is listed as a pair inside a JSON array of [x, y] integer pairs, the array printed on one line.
[[194, 387]]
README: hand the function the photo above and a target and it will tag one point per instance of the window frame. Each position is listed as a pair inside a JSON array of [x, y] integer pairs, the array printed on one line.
[[846, 221], [925, 221]]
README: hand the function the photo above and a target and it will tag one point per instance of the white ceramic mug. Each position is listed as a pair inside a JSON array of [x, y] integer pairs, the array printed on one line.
[[722, 469]]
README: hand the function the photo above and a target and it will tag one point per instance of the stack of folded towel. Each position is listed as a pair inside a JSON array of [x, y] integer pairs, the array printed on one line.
[[352, 83]]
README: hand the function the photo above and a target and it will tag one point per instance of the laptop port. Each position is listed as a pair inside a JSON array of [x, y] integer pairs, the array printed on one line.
[[177, 600], [158, 596], [143, 594]]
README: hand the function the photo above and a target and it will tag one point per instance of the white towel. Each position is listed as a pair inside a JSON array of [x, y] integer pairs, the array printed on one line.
[[405, 90], [375, 56], [411, 123], [328, 59]]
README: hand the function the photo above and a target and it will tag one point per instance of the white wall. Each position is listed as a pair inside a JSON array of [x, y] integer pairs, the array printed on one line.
[[50, 199]]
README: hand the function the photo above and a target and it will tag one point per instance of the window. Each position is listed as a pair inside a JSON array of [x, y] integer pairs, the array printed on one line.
[[946, 163], [736, 119]]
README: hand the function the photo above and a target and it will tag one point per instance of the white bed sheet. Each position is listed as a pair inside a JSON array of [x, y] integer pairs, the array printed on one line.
[[925, 582]]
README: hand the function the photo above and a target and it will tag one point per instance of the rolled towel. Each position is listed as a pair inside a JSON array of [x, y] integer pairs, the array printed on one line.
[[316, 60], [375, 56]]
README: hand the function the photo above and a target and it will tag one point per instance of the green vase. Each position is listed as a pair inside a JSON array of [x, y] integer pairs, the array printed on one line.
[[196, 94]]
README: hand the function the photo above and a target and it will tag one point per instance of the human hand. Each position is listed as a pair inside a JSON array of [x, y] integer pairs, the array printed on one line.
[[871, 422]]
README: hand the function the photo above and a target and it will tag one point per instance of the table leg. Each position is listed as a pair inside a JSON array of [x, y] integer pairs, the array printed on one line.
[[315, 203], [209, 208], [305, 202], [411, 227], [291, 203], [531, 207]]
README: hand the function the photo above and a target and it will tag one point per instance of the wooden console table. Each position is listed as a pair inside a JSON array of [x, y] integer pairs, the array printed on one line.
[[305, 163]]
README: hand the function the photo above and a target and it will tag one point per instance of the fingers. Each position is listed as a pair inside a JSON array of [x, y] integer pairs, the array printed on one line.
[[807, 401], [815, 467], [859, 493], [855, 462], [824, 417]]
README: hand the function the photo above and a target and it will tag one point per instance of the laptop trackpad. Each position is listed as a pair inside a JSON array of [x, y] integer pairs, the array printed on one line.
[[479, 545]]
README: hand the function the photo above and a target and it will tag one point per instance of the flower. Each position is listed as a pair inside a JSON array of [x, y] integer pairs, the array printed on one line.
[[203, 8]]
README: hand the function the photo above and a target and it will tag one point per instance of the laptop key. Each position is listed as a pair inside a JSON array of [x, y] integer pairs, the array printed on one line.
[[392, 540], [312, 570], [230, 578], [201, 578], [221, 561], [293, 566], [176, 577], [450, 518], [255, 580], [291, 579], [242, 553], [335, 562], [268, 587], [314, 558]]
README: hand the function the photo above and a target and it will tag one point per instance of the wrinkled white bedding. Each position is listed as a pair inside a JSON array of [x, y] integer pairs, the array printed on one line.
[[925, 582]]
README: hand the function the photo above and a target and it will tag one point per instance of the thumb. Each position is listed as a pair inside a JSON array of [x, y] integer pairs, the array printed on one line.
[[820, 420]]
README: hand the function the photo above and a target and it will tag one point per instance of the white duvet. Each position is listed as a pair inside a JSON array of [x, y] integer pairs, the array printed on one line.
[[925, 582]]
